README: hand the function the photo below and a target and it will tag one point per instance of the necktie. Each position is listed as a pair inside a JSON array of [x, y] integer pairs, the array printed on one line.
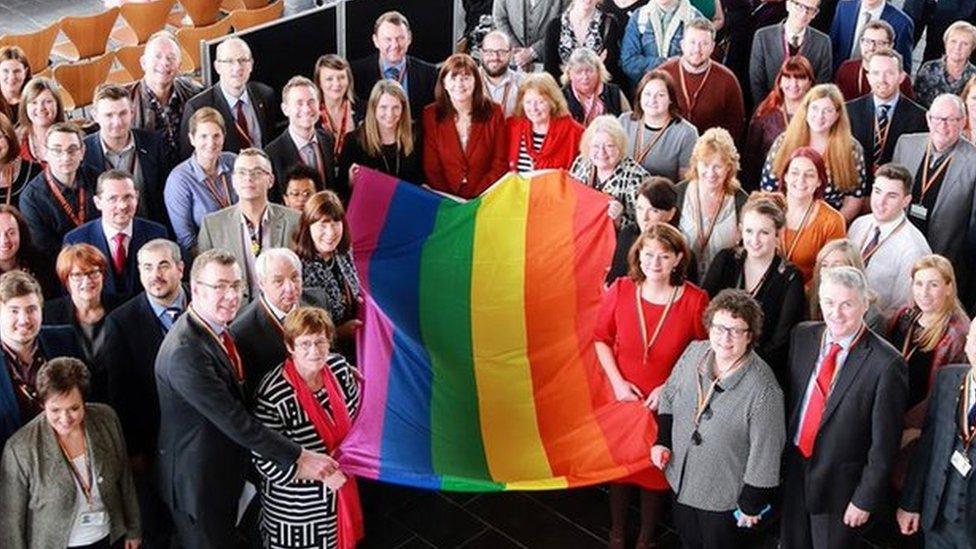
[[231, 349], [861, 21], [871, 245], [810, 423], [881, 135], [391, 73], [169, 316], [972, 414], [118, 252], [311, 156], [241, 122]]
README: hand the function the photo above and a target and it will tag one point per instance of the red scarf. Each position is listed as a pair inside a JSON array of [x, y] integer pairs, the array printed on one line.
[[332, 430]]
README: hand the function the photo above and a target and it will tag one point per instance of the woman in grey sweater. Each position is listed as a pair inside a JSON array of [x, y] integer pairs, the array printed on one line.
[[721, 427]]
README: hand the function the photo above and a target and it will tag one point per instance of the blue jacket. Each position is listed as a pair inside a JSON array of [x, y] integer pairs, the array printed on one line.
[[639, 52], [845, 24], [127, 284]]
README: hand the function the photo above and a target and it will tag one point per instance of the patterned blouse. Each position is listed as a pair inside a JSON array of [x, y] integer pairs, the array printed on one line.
[[831, 195], [567, 38], [332, 285], [622, 184], [932, 80], [299, 513]]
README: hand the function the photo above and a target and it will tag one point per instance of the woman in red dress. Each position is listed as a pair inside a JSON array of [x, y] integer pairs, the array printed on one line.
[[637, 346]]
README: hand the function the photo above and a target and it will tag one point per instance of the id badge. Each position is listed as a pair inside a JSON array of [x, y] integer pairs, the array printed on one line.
[[93, 518], [918, 211], [961, 463]]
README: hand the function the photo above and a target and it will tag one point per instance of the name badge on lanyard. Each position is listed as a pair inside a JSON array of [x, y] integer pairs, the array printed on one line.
[[961, 463], [919, 212]]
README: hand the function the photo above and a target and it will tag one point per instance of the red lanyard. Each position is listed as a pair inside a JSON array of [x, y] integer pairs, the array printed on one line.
[[86, 486], [690, 101], [927, 181], [76, 217], [337, 130], [222, 200]]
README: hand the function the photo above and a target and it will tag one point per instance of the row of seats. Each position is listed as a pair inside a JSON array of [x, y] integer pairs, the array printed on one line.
[[88, 60]]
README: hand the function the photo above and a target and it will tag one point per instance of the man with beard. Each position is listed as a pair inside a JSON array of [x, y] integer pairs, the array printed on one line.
[[133, 334], [501, 82]]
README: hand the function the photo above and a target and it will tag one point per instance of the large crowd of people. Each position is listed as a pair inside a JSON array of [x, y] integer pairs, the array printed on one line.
[[795, 210]]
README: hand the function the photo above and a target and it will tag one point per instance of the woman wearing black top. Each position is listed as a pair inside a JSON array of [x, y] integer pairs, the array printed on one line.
[[386, 140], [18, 254], [15, 172], [756, 268]]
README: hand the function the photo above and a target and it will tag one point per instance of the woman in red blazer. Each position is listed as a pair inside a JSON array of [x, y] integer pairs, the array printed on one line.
[[541, 133], [465, 141]]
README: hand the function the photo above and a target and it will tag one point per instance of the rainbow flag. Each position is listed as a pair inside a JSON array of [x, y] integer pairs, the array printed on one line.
[[477, 350]]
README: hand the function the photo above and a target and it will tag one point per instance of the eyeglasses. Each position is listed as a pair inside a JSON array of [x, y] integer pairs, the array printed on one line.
[[223, 287], [320, 343], [58, 151], [871, 42], [236, 61], [252, 173], [495, 53], [943, 119], [809, 10], [733, 331], [78, 276]]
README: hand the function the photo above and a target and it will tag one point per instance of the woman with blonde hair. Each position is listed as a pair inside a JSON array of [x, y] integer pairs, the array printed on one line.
[[842, 253], [604, 165], [710, 199], [588, 89], [541, 132], [40, 108], [821, 123], [386, 140]]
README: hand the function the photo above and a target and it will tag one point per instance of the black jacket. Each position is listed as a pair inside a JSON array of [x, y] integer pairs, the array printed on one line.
[[262, 98], [909, 117], [421, 79], [259, 341], [285, 156]]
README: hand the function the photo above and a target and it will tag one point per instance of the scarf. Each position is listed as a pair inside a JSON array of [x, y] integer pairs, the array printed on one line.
[[331, 430]]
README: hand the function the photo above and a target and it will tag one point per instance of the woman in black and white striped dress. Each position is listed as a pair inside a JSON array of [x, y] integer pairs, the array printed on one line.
[[310, 399]]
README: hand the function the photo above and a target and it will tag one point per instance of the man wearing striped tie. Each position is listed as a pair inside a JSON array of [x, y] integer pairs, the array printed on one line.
[[847, 391]]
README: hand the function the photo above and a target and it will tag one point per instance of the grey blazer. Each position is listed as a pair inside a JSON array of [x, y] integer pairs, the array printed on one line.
[[768, 55], [222, 229], [37, 490], [527, 25], [953, 218]]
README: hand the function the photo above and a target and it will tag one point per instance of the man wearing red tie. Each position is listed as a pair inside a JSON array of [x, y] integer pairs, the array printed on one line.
[[206, 434], [847, 390]]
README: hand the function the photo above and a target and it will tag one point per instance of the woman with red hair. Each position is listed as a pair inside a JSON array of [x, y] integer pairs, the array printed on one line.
[[773, 114], [465, 140]]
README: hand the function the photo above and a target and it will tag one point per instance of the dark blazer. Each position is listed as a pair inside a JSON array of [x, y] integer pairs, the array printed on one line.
[[38, 493], [152, 165], [781, 297], [610, 97], [930, 468], [767, 57], [421, 79], [206, 433], [127, 284], [263, 100], [53, 341], [908, 117], [861, 426], [285, 156], [46, 220], [128, 357], [845, 23], [259, 341]]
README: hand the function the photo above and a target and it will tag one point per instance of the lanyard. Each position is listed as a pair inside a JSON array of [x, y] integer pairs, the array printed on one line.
[[693, 99], [967, 431], [337, 130], [76, 217], [643, 324], [222, 200], [927, 181], [864, 242], [703, 399], [703, 235], [640, 152], [881, 137], [86, 486], [799, 232], [396, 163], [588, 105], [907, 353], [755, 289], [8, 176]]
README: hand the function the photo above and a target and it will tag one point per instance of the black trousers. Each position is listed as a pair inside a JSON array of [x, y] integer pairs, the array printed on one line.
[[701, 529], [800, 529], [157, 526], [100, 544]]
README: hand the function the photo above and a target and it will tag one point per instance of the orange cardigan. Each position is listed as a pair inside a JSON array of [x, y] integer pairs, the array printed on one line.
[[826, 224], [469, 172]]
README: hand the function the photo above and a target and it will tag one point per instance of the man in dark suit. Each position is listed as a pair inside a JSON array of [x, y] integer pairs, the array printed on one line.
[[303, 143], [24, 347], [881, 117], [847, 390], [773, 44], [118, 233], [128, 356], [139, 152], [249, 108], [933, 18], [944, 165], [59, 198], [251, 225], [940, 492], [206, 434], [258, 329], [392, 36], [850, 18]]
